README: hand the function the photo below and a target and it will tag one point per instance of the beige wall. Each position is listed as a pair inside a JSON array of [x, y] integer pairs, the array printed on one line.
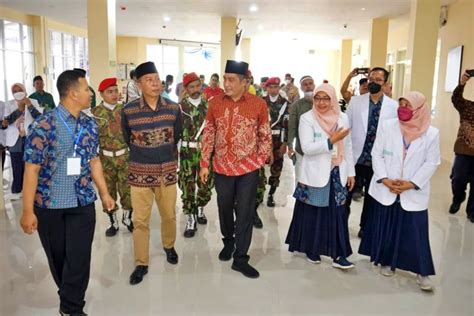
[[458, 31], [133, 49]]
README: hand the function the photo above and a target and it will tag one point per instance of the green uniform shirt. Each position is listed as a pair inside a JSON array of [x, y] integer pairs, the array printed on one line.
[[45, 100], [110, 127], [298, 108]]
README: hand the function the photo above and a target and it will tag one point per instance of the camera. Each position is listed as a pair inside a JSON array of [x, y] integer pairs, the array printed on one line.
[[470, 72], [362, 71]]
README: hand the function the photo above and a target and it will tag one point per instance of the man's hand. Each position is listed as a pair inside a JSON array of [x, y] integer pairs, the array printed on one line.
[[29, 222], [353, 73], [351, 183], [291, 152], [270, 159], [204, 174], [339, 135], [107, 202], [464, 78], [283, 149]]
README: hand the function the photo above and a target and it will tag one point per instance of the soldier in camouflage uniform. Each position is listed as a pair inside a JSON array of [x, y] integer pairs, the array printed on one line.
[[279, 115], [113, 153], [193, 114]]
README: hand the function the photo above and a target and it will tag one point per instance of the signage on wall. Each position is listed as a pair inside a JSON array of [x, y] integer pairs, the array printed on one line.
[[453, 68]]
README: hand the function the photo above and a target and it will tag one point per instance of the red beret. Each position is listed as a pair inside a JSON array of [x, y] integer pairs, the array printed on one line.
[[106, 83], [190, 78], [272, 80]]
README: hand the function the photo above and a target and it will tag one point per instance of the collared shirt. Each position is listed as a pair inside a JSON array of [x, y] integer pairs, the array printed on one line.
[[49, 144], [45, 100], [464, 144], [152, 136], [297, 109], [211, 92], [237, 133], [372, 123]]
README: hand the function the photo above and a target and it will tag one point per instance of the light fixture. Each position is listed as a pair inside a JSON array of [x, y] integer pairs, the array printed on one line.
[[363, 9], [253, 8], [166, 18], [260, 27]]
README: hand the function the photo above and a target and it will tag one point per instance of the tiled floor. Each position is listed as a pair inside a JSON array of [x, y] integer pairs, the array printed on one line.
[[202, 285]]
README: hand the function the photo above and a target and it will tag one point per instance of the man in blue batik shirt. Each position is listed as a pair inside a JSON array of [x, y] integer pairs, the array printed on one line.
[[58, 196]]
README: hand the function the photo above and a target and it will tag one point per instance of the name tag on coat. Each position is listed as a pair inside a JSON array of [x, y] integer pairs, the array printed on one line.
[[387, 152], [318, 135]]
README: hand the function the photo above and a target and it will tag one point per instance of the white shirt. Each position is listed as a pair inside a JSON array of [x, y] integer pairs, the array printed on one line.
[[12, 133]]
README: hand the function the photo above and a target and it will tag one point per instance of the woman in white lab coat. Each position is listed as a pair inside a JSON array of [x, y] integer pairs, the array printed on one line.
[[19, 113], [404, 158], [319, 224]]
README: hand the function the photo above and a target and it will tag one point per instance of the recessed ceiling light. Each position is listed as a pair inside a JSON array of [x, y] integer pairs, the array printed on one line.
[[363, 9], [253, 8], [260, 27], [166, 18]]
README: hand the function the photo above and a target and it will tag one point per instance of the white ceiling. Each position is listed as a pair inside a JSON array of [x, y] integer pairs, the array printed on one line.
[[199, 20]]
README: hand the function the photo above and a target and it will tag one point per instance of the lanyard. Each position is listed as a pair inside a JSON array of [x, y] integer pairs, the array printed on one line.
[[76, 141]]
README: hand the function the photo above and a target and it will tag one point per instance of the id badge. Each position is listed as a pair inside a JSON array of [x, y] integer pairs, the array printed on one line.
[[74, 166]]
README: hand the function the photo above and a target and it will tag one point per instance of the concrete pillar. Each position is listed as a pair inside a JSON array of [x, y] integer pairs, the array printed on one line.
[[40, 36], [378, 42], [101, 33], [423, 39], [228, 30], [346, 58], [245, 49]]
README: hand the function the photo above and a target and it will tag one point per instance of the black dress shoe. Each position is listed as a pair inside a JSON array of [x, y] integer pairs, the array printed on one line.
[[361, 233], [257, 222], [454, 208], [471, 218], [227, 252], [356, 196], [138, 274], [171, 255], [71, 314], [270, 201], [246, 269]]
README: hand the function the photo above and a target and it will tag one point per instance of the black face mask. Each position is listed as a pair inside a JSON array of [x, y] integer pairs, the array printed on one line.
[[374, 88]]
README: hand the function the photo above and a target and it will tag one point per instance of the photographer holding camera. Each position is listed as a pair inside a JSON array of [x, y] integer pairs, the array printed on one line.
[[463, 167]]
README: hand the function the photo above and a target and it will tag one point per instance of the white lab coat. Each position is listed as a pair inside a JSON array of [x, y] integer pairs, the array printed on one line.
[[316, 161], [422, 160], [358, 114]]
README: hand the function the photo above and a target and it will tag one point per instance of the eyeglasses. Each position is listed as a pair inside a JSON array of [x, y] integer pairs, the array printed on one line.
[[324, 99]]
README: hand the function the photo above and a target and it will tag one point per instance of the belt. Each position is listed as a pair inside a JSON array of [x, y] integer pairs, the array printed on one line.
[[276, 132], [117, 153], [190, 144]]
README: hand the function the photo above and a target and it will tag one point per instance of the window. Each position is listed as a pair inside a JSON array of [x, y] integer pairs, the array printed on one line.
[[67, 52], [16, 57], [166, 59]]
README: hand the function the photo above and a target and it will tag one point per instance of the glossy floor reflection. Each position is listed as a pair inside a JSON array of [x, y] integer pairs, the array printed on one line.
[[202, 285]]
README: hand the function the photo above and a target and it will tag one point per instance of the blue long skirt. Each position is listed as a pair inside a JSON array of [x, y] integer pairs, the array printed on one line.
[[320, 231], [398, 239]]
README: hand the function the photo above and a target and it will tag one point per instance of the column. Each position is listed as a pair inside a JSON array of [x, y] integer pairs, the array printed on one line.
[[378, 42], [102, 37], [423, 39], [346, 58], [228, 31], [40, 35], [245, 49]]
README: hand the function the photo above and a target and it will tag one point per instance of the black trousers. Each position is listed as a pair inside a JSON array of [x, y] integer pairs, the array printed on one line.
[[18, 167], [237, 192], [363, 176], [66, 236], [462, 174], [3, 153]]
